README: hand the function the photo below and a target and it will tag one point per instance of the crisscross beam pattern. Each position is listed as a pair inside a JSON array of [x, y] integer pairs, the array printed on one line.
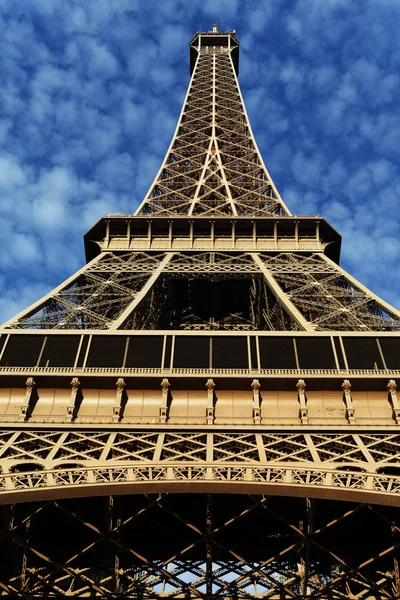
[[213, 166]]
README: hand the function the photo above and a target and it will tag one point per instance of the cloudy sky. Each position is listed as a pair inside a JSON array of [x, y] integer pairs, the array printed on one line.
[[90, 92]]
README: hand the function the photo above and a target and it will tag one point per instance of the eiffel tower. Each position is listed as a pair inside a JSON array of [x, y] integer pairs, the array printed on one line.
[[208, 408]]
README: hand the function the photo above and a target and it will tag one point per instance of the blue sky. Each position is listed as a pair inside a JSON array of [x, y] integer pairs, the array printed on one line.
[[90, 92]]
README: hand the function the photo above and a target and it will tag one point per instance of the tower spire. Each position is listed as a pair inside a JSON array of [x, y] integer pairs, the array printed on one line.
[[194, 178]]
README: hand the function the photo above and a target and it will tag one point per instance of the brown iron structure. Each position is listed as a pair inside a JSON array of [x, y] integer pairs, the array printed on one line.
[[207, 409]]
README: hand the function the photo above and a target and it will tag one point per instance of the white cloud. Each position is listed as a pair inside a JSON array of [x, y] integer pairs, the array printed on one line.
[[117, 171], [11, 173], [260, 18], [172, 40], [25, 249], [221, 9]]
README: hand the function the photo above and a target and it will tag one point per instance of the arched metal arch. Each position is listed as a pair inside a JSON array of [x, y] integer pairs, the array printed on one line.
[[279, 480]]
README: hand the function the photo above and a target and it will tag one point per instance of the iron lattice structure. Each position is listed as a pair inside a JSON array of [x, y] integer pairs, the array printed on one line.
[[267, 465], [213, 166]]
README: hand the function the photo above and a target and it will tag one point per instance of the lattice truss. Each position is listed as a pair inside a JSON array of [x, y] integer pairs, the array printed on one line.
[[327, 297], [289, 548], [210, 290], [213, 166], [95, 296], [57, 449]]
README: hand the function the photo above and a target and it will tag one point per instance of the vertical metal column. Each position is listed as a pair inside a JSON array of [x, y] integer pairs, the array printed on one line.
[[114, 523], [209, 566], [306, 525], [24, 556], [7, 517], [396, 574]]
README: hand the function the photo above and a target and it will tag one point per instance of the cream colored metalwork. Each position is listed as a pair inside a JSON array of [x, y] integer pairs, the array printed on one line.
[[38, 306], [213, 166], [311, 292], [281, 297], [147, 479], [124, 316], [365, 453], [327, 296], [95, 296]]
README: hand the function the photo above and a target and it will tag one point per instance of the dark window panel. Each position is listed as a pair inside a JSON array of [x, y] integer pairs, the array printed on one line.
[[144, 352], [60, 351], [230, 352], [315, 353], [82, 351], [22, 351], [277, 353], [192, 352], [339, 353], [106, 351], [391, 352], [362, 353]]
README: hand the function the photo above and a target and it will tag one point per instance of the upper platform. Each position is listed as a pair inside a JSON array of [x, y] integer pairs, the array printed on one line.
[[304, 234], [226, 39]]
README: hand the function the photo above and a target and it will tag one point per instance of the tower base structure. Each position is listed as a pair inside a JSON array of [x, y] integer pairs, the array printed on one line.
[[199, 464], [200, 545]]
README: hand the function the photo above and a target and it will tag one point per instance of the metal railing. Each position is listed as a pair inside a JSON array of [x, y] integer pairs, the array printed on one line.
[[131, 473]]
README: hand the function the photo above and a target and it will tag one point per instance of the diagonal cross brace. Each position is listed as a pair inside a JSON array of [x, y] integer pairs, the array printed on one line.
[[123, 318], [282, 298]]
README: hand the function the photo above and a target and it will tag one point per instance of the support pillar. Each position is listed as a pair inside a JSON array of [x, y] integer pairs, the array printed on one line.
[[165, 385], [350, 416], [255, 386], [119, 402], [210, 385], [392, 389], [30, 398], [25, 556], [72, 409], [303, 411]]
